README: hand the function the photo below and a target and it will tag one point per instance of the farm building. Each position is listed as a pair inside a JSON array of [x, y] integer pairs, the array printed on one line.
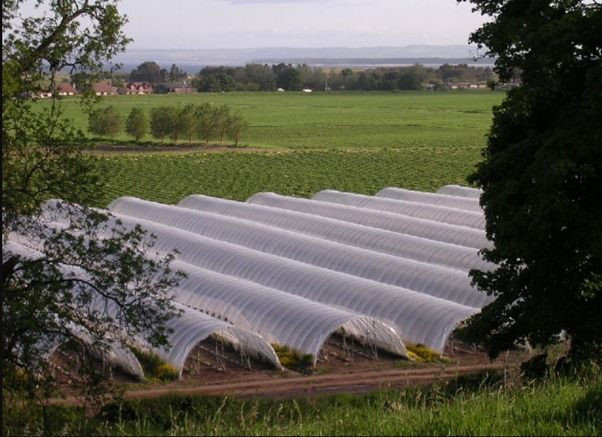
[[279, 271], [104, 88], [66, 89], [140, 88]]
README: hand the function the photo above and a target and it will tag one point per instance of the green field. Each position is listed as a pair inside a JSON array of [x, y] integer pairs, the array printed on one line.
[[168, 178], [336, 120], [359, 142]]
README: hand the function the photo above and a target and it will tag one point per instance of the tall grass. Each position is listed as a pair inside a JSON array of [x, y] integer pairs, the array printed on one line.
[[472, 406]]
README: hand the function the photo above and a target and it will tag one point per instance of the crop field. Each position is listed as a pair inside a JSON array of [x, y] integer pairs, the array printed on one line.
[[167, 178], [335, 120]]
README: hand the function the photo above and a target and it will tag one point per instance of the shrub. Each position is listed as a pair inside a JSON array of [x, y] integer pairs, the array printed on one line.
[[421, 353], [154, 367], [293, 359], [166, 372]]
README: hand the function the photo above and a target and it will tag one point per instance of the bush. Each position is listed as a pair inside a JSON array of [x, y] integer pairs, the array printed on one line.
[[166, 372], [154, 367], [293, 359], [421, 353]]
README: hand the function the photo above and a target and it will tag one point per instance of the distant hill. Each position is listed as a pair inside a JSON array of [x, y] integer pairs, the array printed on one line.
[[192, 60]]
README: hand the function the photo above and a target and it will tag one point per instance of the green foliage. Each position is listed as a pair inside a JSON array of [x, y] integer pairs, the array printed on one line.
[[236, 127], [220, 116], [46, 297], [136, 125], [105, 122], [186, 124], [148, 71], [204, 128], [421, 353], [542, 178], [154, 367], [293, 359], [163, 122]]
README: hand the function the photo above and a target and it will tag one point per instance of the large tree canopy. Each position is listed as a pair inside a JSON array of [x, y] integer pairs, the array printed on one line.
[[48, 294], [542, 176]]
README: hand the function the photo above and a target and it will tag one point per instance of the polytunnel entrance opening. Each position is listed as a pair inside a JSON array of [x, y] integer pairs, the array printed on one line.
[[215, 356], [69, 359], [350, 350]]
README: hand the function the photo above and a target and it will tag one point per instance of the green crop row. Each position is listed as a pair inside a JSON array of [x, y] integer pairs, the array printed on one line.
[[168, 178]]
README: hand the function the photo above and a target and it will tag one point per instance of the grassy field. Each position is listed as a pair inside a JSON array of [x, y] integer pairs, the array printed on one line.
[[337, 120], [168, 178], [475, 406]]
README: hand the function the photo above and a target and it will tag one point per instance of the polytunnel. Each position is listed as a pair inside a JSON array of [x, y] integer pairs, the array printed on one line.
[[115, 354], [432, 279], [419, 317], [398, 223], [379, 240], [277, 316], [458, 190], [458, 202], [192, 327], [444, 214], [188, 330]]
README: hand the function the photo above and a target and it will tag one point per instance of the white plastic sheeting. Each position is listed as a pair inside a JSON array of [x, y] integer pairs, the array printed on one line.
[[402, 224], [427, 278], [279, 317], [420, 318], [453, 216], [458, 190], [379, 240], [192, 327], [189, 329], [466, 203]]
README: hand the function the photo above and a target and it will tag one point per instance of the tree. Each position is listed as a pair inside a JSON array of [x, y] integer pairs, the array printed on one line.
[[542, 177], [219, 121], [204, 127], [287, 77], [186, 124], [163, 122], [237, 126], [105, 122], [215, 79], [176, 74], [43, 301], [148, 71], [136, 125]]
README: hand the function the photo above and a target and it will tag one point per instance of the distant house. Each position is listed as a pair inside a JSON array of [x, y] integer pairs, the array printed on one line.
[[104, 88], [139, 88], [173, 87], [66, 89]]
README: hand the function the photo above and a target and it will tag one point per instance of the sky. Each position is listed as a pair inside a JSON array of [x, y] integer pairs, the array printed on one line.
[[228, 24]]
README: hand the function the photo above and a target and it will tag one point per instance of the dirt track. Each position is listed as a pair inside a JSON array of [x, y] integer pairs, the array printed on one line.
[[301, 386]]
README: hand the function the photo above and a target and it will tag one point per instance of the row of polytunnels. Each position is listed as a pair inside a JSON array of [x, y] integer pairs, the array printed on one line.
[[281, 273]]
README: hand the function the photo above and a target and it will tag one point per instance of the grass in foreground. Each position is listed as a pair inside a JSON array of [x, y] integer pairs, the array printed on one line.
[[168, 178], [470, 406]]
